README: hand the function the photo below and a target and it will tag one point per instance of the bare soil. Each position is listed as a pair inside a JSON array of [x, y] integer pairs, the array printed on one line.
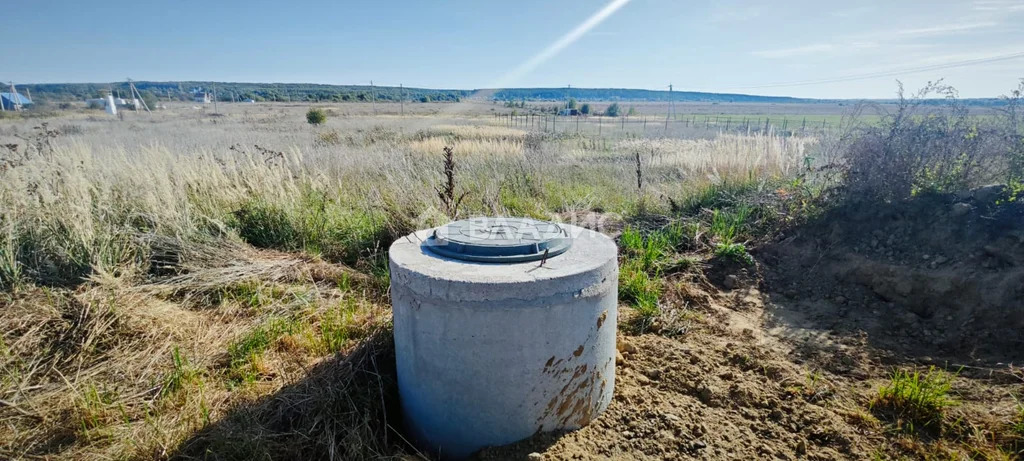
[[785, 362]]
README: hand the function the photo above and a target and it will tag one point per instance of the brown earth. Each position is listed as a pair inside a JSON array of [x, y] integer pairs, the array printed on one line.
[[790, 372]]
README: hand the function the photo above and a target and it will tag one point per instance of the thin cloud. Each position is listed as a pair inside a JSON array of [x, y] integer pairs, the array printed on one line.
[[999, 6], [943, 29], [859, 42], [819, 48]]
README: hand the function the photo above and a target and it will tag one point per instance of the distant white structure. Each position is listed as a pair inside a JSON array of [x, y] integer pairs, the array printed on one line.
[[111, 107], [106, 103], [202, 97]]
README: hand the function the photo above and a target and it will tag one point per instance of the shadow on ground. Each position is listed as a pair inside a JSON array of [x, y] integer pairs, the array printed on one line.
[[345, 408], [934, 279]]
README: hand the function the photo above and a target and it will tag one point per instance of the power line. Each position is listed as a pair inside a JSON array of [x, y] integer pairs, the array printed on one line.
[[888, 73]]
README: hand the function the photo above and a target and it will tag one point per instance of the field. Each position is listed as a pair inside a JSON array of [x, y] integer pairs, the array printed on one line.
[[201, 284]]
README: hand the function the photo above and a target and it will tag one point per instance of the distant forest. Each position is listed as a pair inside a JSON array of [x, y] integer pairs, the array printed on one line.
[[307, 92], [185, 91], [625, 94]]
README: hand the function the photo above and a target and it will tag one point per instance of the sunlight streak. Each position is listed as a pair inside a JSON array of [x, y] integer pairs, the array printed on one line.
[[563, 42]]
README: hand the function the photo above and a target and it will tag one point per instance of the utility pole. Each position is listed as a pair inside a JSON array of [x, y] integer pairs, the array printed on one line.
[[28, 93], [373, 97], [671, 106], [215, 100], [135, 94], [15, 100], [401, 90]]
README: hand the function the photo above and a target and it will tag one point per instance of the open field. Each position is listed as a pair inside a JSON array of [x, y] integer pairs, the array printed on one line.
[[197, 285]]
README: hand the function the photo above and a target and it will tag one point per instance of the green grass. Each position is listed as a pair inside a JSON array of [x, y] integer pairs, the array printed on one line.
[[728, 225], [647, 251], [640, 281], [1017, 426], [96, 407], [915, 400], [264, 225], [680, 234], [639, 289], [252, 294], [736, 252], [792, 122], [316, 224], [182, 376], [335, 330], [246, 352]]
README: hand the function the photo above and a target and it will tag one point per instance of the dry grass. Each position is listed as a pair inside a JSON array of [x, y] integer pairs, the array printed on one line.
[[139, 321], [486, 147], [762, 155]]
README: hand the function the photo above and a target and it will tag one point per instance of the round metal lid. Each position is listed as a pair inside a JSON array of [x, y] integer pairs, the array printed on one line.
[[499, 240]]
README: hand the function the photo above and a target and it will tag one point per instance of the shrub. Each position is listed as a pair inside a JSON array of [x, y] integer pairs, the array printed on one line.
[[327, 138], [923, 147], [613, 110], [585, 109], [316, 116]]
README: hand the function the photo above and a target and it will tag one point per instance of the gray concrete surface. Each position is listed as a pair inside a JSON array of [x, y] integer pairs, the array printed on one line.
[[489, 354]]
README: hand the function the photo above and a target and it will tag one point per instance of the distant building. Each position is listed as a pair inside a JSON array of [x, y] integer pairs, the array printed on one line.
[[202, 97], [101, 103], [14, 101], [250, 100], [569, 112]]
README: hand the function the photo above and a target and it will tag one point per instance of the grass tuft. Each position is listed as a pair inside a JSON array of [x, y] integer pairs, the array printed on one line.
[[736, 252], [246, 353], [182, 376], [915, 401]]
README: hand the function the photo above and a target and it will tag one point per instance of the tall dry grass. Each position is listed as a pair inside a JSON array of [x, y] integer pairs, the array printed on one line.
[[130, 283], [83, 207]]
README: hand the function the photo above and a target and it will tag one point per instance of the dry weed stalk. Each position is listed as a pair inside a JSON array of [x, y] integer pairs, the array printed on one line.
[[449, 201]]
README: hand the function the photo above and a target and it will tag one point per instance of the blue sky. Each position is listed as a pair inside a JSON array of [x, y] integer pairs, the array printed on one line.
[[727, 46]]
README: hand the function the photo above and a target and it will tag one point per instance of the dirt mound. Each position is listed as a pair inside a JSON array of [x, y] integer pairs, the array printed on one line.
[[725, 392], [938, 276]]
